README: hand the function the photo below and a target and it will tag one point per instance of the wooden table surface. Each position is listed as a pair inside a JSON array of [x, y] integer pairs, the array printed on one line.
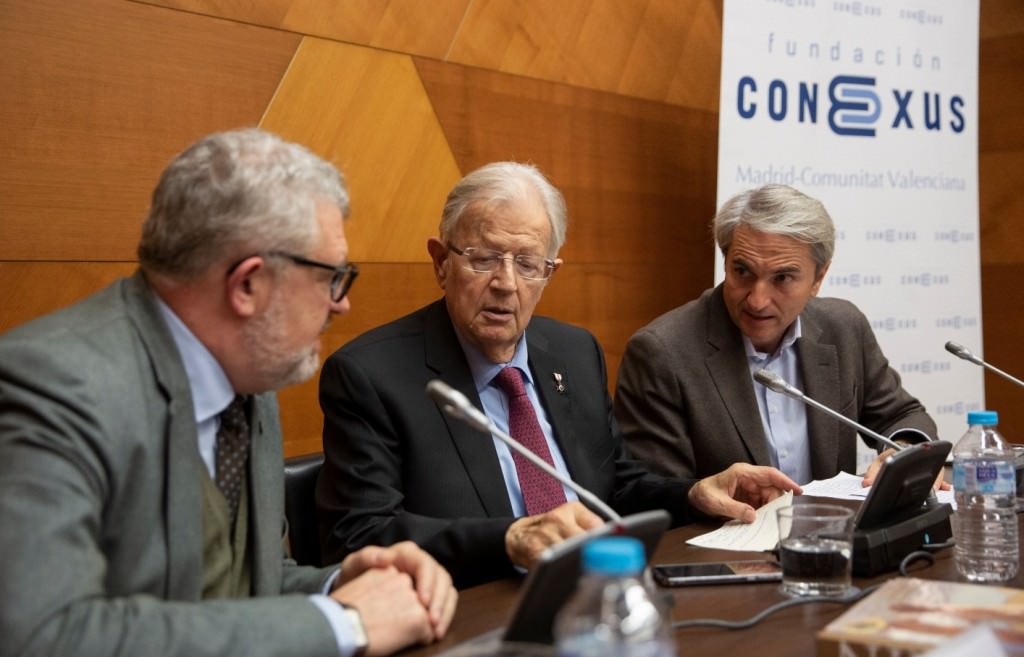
[[787, 633]]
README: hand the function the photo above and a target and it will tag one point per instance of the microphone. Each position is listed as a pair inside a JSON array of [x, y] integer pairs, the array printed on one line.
[[960, 351], [776, 383], [455, 404]]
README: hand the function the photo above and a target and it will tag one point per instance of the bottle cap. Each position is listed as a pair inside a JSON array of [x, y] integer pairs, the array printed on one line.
[[613, 555], [986, 418]]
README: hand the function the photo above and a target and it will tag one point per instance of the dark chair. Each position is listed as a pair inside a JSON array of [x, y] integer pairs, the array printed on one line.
[[300, 473]]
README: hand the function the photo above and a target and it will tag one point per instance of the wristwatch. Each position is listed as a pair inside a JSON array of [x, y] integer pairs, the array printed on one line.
[[358, 629]]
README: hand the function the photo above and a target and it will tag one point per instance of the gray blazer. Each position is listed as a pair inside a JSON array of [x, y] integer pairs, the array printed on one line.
[[100, 519], [685, 398]]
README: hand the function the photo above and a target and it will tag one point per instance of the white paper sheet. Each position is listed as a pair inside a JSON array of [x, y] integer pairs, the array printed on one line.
[[759, 536]]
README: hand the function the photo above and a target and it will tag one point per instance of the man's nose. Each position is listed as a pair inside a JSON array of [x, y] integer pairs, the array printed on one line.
[[760, 295], [505, 277], [341, 307]]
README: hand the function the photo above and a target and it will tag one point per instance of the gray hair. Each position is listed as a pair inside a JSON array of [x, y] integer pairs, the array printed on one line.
[[778, 210], [501, 183], [234, 194]]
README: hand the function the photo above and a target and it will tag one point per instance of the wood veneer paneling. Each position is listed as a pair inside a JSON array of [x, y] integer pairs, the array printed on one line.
[[1002, 298], [367, 111], [999, 87], [411, 26], [32, 289], [100, 94], [662, 50], [638, 176]]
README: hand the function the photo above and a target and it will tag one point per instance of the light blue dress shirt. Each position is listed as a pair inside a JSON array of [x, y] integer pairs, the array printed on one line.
[[495, 405], [211, 394], [784, 418]]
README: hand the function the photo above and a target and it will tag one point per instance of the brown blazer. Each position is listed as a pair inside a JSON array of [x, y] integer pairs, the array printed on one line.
[[685, 398]]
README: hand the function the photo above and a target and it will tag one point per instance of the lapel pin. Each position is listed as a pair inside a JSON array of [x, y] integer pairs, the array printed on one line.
[[559, 386]]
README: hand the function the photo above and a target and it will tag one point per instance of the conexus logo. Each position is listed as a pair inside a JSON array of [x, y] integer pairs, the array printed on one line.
[[854, 107]]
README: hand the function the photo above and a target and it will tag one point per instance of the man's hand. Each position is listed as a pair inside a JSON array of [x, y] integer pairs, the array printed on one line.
[[527, 537], [432, 583], [392, 614], [736, 491], [872, 473]]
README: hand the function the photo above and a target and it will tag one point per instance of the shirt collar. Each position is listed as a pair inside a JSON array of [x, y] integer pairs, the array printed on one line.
[[484, 371], [792, 334], [211, 390]]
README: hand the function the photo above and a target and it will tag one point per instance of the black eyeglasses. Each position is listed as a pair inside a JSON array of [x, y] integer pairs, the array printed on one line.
[[341, 282]]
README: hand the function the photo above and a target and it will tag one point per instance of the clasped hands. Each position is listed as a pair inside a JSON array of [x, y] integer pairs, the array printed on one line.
[[401, 593]]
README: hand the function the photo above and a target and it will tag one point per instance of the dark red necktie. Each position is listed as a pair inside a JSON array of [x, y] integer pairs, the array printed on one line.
[[541, 492]]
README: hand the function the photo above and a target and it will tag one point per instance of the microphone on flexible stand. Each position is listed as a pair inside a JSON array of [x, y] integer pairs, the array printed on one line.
[[960, 351], [776, 383], [456, 404]]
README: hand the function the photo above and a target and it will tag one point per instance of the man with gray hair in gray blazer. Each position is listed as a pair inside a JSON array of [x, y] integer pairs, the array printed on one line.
[[141, 473], [686, 399]]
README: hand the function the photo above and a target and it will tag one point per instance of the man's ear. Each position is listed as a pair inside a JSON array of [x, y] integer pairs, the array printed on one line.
[[246, 286], [820, 278], [439, 257]]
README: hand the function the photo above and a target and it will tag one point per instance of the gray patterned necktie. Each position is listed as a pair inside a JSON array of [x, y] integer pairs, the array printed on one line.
[[232, 452]]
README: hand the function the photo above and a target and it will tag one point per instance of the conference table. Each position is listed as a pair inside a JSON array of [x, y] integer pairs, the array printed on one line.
[[786, 633]]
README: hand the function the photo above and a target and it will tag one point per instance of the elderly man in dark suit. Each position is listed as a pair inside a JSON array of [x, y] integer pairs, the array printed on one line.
[[685, 396], [141, 475], [397, 467]]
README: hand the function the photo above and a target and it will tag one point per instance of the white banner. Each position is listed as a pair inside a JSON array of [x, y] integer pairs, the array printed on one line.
[[872, 107]]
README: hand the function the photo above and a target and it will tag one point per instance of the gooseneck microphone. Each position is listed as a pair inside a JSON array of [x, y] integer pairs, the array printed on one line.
[[776, 383], [455, 404], [960, 351]]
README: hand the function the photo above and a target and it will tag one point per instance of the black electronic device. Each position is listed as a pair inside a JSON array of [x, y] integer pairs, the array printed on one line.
[[897, 517], [717, 572], [555, 575]]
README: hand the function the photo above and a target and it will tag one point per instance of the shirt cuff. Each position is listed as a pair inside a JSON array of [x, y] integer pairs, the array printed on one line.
[[338, 620]]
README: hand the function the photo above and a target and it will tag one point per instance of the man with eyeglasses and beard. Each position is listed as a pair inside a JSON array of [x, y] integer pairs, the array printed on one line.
[[398, 469], [141, 474]]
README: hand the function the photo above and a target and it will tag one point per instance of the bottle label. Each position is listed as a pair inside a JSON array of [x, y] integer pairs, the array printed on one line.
[[981, 477]]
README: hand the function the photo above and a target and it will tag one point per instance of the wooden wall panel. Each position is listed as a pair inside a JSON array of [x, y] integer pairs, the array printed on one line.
[[662, 50], [367, 111], [638, 176], [999, 87], [1000, 18], [1003, 303], [32, 289], [1001, 205], [410, 26], [101, 94]]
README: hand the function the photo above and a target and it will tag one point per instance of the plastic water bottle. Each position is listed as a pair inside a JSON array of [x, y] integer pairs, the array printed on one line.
[[615, 611], [985, 522]]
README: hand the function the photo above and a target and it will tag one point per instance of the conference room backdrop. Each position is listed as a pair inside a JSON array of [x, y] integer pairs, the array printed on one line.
[[616, 100]]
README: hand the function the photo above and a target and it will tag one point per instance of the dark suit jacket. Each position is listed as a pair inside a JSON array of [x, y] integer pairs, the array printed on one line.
[[685, 396], [397, 467], [100, 499]]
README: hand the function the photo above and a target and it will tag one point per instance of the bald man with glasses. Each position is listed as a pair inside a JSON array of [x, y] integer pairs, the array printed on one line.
[[397, 468]]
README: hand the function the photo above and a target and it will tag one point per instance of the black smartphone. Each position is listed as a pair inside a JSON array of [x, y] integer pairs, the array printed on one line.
[[719, 572]]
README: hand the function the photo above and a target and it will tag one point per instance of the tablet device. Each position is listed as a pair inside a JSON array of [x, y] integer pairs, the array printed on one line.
[[903, 485], [554, 577]]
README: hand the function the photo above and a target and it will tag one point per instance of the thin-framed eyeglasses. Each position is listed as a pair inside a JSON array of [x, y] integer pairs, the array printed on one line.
[[487, 261]]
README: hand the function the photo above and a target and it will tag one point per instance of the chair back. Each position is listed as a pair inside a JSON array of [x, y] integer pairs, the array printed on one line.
[[300, 474]]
